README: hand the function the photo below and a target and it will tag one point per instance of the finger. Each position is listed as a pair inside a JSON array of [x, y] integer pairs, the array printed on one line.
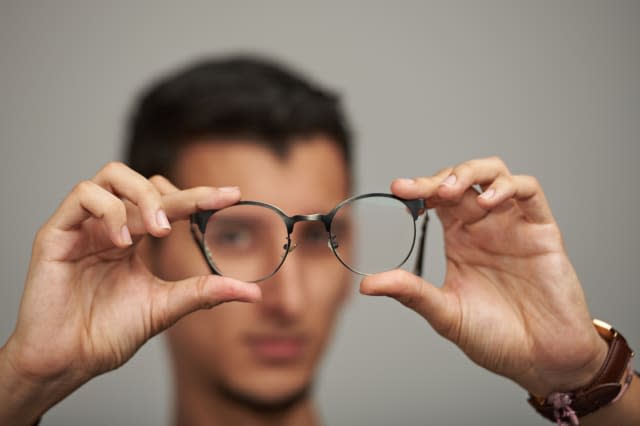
[[419, 187], [163, 185], [474, 172], [125, 182], [181, 204], [436, 306], [465, 210], [89, 199], [180, 298], [527, 193]]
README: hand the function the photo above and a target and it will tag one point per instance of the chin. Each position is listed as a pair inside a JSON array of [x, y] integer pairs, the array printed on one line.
[[275, 382], [274, 391]]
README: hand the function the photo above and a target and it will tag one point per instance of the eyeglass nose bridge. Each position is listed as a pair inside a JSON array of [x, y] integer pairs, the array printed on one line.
[[324, 218]]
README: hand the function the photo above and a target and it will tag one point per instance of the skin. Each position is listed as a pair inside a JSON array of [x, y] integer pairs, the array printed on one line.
[[300, 301], [503, 249]]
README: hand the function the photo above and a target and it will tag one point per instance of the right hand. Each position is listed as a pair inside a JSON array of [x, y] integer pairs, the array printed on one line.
[[89, 301]]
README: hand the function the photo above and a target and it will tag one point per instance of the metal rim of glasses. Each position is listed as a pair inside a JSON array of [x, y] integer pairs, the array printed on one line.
[[350, 200], [416, 207]]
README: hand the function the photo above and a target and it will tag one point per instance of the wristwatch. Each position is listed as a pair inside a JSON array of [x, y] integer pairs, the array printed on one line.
[[609, 384]]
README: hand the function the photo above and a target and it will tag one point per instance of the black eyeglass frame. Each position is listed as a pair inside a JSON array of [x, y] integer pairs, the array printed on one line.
[[416, 207]]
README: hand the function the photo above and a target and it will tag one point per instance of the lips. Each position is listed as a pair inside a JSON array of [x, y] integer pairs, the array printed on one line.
[[277, 349]]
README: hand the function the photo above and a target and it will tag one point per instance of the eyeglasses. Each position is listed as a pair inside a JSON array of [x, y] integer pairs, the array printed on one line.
[[250, 240]]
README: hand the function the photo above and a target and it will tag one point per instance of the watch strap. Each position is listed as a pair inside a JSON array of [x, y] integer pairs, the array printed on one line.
[[606, 387]]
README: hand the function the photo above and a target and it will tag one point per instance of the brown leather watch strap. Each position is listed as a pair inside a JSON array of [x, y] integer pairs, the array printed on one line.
[[608, 383]]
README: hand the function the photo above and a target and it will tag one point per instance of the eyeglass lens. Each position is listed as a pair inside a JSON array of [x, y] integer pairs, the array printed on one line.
[[246, 242], [384, 232]]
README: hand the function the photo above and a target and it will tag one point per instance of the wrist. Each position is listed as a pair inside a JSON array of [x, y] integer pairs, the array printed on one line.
[[26, 398], [17, 394], [577, 370], [590, 370], [608, 385]]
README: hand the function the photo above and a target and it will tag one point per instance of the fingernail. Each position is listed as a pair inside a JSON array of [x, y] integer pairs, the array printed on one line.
[[228, 189], [405, 181], [488, 194], [450, 180], [161, 218], [125, 235]]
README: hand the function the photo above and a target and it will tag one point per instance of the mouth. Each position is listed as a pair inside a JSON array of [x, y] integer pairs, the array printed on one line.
[[276, 349]]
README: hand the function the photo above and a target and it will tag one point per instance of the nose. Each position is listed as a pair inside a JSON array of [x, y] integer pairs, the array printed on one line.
[[283, 295]]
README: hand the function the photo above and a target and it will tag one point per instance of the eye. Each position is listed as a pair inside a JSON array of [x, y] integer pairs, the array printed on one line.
[[232, 238]]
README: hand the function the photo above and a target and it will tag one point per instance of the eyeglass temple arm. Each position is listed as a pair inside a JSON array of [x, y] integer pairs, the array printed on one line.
[[197, 222], [422, 249]]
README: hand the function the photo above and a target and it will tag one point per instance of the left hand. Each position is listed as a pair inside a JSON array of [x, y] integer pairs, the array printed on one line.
[[511, 299]]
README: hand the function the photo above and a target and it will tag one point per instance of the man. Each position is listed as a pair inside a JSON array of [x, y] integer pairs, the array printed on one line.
[[201, 139]]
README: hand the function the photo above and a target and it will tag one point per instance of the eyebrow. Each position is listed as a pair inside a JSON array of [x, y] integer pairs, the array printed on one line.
[[242, 220]]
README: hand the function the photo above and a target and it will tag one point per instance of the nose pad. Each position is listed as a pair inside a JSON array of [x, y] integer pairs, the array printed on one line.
[[332, 243], [289, 248]]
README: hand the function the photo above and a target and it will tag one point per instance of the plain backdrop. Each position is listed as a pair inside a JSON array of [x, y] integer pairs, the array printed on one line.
[[552, 87]]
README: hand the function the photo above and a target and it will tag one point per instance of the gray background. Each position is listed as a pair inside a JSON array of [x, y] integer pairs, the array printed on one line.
[[553, 87]]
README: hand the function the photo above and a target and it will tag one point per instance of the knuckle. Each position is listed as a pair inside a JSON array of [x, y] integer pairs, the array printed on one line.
[[44, 239], [532, 181], [498, 163], [148, 191], [209, 296], [83, 187], [531, 185], [443, 171], [113, 167], [200, 289], [465, 169], [163, 184], [158, 180], [495, 159], [40, 237]]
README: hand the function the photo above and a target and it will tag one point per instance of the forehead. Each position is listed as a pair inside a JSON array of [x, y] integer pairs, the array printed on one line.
[[311, 177]]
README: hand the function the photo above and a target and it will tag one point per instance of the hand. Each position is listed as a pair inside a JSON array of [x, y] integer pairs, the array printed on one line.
[[89, 302], [511, 299]]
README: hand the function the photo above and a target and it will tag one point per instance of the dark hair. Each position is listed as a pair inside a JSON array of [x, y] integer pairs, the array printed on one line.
[[230, 97]]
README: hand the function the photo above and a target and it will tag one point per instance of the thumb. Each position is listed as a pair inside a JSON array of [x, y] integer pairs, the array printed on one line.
[[180, 298], [434, 304]]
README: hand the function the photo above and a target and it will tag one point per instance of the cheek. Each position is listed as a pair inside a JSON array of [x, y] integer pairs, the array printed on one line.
[[327, 293], [211, 339]]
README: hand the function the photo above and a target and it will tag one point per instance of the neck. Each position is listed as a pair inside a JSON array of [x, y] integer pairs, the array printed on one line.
[[196, 406]]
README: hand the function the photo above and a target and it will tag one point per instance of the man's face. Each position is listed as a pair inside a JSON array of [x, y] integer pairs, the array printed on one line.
[[266, 352]]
